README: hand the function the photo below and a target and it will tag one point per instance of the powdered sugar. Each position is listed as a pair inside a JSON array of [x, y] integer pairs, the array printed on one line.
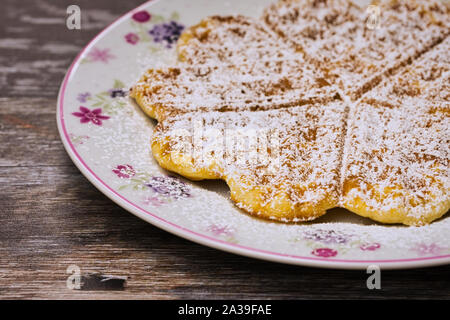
[[334, 34], [286, 149], [398, 158], [426, 81], [395, 154], [234, 63]]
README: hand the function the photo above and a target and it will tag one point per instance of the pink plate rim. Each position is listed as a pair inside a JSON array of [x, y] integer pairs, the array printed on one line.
[[201, 238]]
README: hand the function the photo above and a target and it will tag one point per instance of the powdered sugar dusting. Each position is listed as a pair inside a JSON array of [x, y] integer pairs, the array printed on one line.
[[334, 34], [399, 141], [306, 52], [398, 159], [295, 150], [205, 207], [424, 82], [233, 63]]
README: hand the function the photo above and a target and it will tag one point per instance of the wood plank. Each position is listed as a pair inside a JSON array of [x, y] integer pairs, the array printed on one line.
[[36, 48], [52, 217], [28, 133]]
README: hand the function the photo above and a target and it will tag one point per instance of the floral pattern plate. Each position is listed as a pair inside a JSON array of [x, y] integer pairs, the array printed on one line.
[[107, 137]]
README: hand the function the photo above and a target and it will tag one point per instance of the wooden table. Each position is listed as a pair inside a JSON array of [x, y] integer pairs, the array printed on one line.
[[51, 217]]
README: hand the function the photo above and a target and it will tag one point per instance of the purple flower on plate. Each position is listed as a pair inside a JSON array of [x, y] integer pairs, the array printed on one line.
[[169, 186], [141, 16], [324, 252], [102, 55], [326, 236], [167, 33], [132, 38], [83, 97], [370, 246], [124, 171], [114, 93], [93, 116]]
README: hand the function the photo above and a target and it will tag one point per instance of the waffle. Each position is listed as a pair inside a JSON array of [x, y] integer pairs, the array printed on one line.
[[280, 164], [260, 73], [426, 81], [335, 34], [396, 168], [308, 109]]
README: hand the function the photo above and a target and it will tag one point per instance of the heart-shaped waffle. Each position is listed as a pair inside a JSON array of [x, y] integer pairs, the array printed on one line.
[[316, 105]]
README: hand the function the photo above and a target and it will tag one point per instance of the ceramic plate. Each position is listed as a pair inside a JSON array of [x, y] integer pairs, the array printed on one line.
[[107, 137]]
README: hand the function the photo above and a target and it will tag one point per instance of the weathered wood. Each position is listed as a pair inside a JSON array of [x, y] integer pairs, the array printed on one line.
[[36, 47], [28, 133], [51, 217]]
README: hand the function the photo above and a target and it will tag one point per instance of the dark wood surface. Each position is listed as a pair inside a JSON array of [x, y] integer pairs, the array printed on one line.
[[52, 217]]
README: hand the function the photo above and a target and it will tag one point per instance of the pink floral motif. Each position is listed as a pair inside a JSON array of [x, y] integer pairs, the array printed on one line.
[[153, 201], [423, 249], [324, 252], [141, 16], [124, 171], [220, 230], [132, 38], [102, 55], [93, 116], [370, 246]]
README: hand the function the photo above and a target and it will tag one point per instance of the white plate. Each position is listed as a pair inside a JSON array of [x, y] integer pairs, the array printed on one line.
[[111, 148]]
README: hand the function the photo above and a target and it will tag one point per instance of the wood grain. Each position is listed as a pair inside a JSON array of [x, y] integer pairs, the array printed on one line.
[[51, 217]]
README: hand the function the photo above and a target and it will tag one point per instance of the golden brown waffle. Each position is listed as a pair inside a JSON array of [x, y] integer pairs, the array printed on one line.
[[426, 81], [396, 166], [337, 35], [309, 109], [238, 65], [280, 164]]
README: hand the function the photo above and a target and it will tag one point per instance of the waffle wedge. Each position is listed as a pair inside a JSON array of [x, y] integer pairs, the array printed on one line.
[[396, 165], [211, 76], [280, 164], [358, 47]]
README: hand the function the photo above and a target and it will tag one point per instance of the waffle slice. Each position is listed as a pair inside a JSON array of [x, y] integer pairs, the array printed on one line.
[[238, 64], [230, 40], [426, 81], [279, 164], [396, 167], [337, 35], [396, 164]]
